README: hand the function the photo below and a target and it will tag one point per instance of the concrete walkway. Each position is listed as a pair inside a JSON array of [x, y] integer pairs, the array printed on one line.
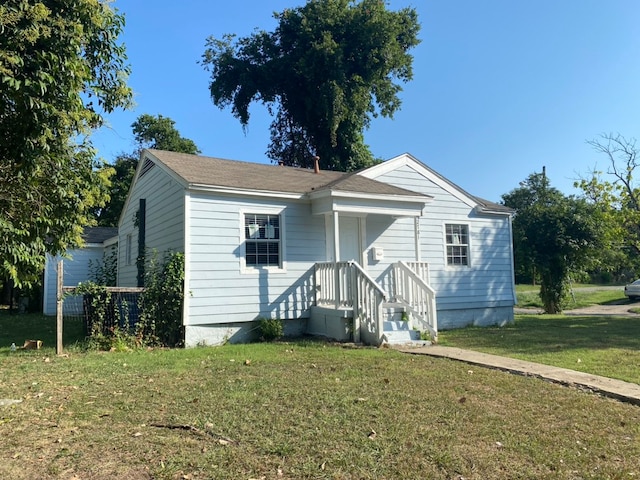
[[625, 391]]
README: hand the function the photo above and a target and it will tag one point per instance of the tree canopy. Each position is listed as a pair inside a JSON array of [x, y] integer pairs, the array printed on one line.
[[159, 132], [616, 193], [554, 236], [149, 131], [326, 70], [61, 69]]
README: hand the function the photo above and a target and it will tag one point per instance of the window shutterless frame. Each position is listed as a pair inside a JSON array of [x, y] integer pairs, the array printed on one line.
[[457, 245], [262, 240]]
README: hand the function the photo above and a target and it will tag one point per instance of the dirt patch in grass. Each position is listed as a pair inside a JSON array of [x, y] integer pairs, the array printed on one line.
[[301, 410]]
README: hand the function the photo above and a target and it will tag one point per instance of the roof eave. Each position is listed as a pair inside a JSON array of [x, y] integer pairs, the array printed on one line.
[[369, 196], [199, 187], [482, 210]]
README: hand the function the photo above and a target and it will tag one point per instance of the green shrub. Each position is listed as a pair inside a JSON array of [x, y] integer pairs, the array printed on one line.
[[163, 300], [271, 329], [106, 319], [108, 325]]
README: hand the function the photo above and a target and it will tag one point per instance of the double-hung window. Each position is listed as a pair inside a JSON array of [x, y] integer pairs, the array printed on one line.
[[263, 246], [457, 240]]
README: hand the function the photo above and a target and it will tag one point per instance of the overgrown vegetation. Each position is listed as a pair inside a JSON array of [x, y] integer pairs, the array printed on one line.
[[163, 300], [116, 321], [105, 271]]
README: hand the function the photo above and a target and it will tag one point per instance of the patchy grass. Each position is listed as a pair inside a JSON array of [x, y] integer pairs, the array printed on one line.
[[301, 410], [583, 296], [608, 346]]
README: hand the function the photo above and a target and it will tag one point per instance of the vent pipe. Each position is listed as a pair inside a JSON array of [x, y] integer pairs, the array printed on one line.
[[316, 164]]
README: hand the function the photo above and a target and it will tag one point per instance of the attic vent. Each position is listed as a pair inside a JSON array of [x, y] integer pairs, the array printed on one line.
[[146, 166]]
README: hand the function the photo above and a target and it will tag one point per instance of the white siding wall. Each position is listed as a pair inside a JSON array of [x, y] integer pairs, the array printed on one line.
[[164, 221], [75, 270], [220, 292], [486, 283]]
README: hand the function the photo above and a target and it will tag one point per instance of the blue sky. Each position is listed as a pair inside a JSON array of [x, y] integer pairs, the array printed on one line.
[[500, 88]]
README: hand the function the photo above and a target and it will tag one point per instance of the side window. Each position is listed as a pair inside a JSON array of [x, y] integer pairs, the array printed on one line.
[[263, 246], [457, 242]]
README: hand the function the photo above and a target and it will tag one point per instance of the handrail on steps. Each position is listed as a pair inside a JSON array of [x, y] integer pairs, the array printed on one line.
[[371, 281], [418, 297], [347, 284]]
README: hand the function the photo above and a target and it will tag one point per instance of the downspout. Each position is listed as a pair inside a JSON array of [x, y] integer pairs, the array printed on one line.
[[142, 226], [336, 256], [513, 272], [416, 237]]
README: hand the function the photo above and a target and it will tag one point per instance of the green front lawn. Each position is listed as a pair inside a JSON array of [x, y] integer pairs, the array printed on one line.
[[298, 410], [583, 296], [608, 346], [309, 409]]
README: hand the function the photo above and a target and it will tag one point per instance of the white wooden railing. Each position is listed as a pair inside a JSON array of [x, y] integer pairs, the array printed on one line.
[[346, 284], [421, 269], [333, 284], [418, 298]]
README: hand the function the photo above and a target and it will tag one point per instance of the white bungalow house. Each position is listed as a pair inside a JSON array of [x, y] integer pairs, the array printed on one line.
[[329, 253]]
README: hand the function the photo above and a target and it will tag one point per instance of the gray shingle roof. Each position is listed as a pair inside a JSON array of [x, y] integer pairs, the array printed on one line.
[[492, 206], [218, 172], [98, 234]]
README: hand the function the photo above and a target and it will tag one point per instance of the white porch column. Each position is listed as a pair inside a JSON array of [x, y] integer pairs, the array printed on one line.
[[416, 236], [336, 255]]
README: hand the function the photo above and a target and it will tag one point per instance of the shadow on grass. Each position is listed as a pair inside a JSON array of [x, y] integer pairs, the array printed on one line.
[[16, 328], [539, 334]]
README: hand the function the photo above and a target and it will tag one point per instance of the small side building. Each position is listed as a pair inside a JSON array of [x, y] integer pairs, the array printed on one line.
[[77, 264]]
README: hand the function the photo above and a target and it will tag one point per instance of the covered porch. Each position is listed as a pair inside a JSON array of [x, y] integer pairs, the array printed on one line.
[[397, 305]]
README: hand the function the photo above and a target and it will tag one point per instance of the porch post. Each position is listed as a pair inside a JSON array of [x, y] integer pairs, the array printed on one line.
[[336, 255], [416, 236]]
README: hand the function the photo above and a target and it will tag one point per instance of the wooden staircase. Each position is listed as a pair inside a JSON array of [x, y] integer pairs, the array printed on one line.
[[376, 320]]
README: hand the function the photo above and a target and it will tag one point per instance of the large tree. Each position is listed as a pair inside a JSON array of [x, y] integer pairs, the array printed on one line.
[[616, 193], [61, 69], [326, 70], [149, 131], [554, 236], [156, 131]]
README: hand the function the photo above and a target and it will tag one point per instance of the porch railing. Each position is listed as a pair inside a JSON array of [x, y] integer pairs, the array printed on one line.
[[346, 284], [418, 298], [421, 269]]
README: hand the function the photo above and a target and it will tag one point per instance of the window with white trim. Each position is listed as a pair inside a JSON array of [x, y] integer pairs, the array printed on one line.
[[263, 247], [457, 240]]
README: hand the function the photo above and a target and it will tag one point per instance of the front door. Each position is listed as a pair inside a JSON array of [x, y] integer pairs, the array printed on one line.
[[350, 239]]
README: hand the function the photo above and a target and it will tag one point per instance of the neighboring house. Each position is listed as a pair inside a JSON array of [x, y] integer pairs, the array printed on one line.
[[330, 253], [77, 265]]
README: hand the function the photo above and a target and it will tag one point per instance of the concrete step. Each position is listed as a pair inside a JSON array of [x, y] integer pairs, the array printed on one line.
[[395, 325], [399, 333], [393, 312]]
